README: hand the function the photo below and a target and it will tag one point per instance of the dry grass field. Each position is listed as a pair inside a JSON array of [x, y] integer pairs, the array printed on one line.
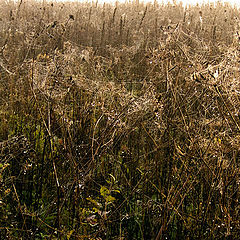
[[120, 121]]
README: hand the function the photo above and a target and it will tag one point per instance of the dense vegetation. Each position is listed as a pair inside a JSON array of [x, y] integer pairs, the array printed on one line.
[[119, 121]]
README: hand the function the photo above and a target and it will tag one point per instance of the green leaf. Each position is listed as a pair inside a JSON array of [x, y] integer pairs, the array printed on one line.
[[104, 191], [114, 179], [70, 234], [116, 190], [110, 199], [97, 204]]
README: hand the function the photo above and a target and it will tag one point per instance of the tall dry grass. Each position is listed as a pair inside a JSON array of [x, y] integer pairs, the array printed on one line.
[[119, 121]]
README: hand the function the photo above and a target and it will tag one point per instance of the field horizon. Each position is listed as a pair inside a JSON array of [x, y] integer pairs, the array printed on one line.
[[233, 3]]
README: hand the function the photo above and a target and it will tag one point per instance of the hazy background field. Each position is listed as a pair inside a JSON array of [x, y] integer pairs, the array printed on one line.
[[184, 2]]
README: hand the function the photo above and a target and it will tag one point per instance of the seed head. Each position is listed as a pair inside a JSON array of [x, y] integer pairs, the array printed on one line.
[[71, 17]]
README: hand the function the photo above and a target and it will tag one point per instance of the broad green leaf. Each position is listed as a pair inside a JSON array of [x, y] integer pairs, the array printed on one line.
[[104, 191]]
